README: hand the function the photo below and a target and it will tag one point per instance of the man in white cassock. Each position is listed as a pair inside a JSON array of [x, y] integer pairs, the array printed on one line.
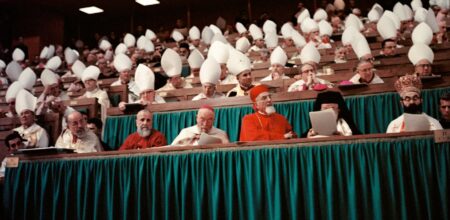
[[409, 88], [89, 78], [205, 120], [239, 65], [122, 63], [209, 78], [278, 60], [35, 135]]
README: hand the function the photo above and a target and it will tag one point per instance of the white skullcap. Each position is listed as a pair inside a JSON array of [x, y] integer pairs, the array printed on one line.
[[309, 25], [386, 28], [177, 36], [195, 59], [171, 63], [320, 15], [271, 39], [309, 54], [149, 34], [70, 56], [269, 26], [207, 35], [121, 48], [129, 40], [218, 51], [27, 78], [53, 63], [12, 91], [91, 72], [13, 70], [78, 68], [256, 32], [325, 28], [122, 62], [104, 45], [48, 77], [18, 55], [240, 28], [278, 56], [419, 52], [238, 63], [25, 101], [144, 78], [422, 34], [194, 33], [210, 72]]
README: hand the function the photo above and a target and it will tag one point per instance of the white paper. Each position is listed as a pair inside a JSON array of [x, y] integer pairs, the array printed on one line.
[[416, 122], [208, 139], [324, 122]]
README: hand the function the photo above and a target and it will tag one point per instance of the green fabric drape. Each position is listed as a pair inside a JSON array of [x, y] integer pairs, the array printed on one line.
[[386, 179], [372, 114]]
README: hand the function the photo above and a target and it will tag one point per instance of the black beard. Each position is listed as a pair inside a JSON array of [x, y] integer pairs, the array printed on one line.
[[413, 109]]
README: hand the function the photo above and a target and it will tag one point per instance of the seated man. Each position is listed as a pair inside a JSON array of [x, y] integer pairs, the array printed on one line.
[[76, 136], [145, 136], [122, 63], [334, 100], [365, 73], [340, 55], [96, 126], [388, 48], [239, 65], [89, 78], [205, 120], [278, 60], [209, 77], [308, 80], [421, 56], [195, 61], [145, 80], [409, 87], [265, 124], [35, 135], [258, 39], [13, 142], [444, 107], [171, 64], [220, 52]]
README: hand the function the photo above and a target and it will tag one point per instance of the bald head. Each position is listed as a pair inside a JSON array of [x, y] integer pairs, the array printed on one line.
[[76, 124], [205, 119]]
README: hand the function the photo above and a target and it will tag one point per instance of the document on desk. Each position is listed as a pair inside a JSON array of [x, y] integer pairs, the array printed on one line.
[[208, 139], [416, 122], [324, 122]]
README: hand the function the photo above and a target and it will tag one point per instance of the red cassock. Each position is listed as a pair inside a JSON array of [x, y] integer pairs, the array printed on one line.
[[135, 141], [259, 127]]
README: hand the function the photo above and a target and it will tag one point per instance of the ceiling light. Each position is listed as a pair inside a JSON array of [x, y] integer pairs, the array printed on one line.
[[91, 10], [147, 2]]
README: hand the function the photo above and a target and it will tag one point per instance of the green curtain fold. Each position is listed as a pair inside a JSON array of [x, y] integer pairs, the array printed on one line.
[[388, 179], [372, 114]]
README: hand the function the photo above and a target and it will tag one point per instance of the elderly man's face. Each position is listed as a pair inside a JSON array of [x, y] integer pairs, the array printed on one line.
[[389, 48], [245, 79], [444, 107], [90, 84], [195, 71], [144, 123], [176, 82], [423, 68], [259, 43], [26, 118], [125, 76], [263, 101], [76, 124], [277, 68], [341, 54], [365, 70], [209, 89], [205, 120], [308, 71], [148, 96]]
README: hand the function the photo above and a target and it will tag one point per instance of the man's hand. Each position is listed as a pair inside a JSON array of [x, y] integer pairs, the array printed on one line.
[[122, 106], [289, 135], [311, 133]]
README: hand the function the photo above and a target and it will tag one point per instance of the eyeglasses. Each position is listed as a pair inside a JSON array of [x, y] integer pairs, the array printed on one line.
[[408, 99], [307, 71]]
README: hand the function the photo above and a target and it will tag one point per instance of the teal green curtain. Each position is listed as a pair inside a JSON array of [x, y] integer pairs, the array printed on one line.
[[379, 179], [372, 114]]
